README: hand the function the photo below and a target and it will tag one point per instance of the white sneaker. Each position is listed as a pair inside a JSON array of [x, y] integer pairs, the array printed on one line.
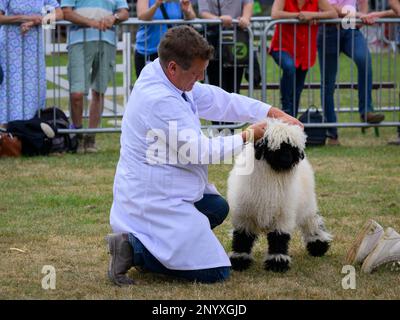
[[365, 242], [387, 250]]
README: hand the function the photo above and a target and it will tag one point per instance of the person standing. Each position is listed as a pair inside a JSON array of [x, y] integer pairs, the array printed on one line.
[[353, 44], [226, 11], [91, 54], [294, 46], [148, 36], [23, 91]]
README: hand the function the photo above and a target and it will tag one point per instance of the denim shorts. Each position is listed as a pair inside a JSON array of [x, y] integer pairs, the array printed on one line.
[[90, 65]]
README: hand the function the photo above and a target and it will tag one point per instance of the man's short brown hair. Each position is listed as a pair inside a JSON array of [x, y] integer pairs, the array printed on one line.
[[183, 44]]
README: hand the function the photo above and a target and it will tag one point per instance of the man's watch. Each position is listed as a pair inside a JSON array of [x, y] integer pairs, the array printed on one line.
[[117, 18]]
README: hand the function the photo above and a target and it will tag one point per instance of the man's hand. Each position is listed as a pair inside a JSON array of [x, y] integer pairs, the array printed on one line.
[[254, 132], [279, 114], [244, 22], [96, 25], [107, 22], [226, 21]]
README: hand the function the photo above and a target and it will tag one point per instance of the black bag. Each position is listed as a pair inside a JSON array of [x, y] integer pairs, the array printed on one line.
[[238, 48], [229, 45], [34, 141], [315, 136], [56, 118]]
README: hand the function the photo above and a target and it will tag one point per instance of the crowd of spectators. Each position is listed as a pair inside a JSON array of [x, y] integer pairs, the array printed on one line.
[[91, 51]]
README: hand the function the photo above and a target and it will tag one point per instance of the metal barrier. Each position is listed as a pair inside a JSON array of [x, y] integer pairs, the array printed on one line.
[[385, 82], [116, 96], [113, 110]]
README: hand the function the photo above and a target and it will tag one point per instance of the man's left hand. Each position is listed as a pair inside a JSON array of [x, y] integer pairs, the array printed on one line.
[[108, 22]]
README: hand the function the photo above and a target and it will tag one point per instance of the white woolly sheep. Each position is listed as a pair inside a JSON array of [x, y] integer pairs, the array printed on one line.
[[274, 198]]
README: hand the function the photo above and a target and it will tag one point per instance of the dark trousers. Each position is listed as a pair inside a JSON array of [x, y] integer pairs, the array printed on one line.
[[216, 209], [227, 79], [353, 44], [141, 60], [292, 82]]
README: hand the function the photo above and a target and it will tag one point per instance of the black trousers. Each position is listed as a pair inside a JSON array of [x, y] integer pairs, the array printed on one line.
[[227, 81], [228, 76], [141, 59]]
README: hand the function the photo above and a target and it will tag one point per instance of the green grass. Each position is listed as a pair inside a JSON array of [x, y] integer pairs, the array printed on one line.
[[56, 209]]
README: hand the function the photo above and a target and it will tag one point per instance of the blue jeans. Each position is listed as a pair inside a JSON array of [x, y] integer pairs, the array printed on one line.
[[358, 51], [216, 209], [292, 82]]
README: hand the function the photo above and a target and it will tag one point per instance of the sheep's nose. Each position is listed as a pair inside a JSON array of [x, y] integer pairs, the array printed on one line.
[[286, 158]]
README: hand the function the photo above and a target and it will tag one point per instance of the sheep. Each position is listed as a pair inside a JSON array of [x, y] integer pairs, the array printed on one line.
[[275, 198]]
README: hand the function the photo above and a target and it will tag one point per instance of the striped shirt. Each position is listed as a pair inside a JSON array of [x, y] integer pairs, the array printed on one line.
[[97, 10]]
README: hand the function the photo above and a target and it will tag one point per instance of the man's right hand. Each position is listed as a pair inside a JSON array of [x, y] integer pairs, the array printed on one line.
[[99, 25], [254, 132], [279, 114]]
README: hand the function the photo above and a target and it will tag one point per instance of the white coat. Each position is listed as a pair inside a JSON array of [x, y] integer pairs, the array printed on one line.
[[155, 201]]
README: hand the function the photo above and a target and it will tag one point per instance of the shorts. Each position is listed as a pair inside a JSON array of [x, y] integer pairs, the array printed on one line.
[[90, 64]]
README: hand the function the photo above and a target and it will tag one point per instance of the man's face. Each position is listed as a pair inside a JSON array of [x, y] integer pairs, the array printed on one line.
[[185, 79]]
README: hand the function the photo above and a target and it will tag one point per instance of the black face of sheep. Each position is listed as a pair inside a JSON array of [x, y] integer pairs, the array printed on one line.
[[282, 159]]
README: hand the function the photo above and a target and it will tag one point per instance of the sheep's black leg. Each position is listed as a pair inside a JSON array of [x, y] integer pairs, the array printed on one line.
[[241, 245], [277, 259]]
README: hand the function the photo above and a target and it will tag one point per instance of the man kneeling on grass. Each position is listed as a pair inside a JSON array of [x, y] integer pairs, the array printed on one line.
[[164, 209]]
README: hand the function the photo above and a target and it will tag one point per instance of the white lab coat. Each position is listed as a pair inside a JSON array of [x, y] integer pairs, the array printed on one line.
[[155, 202]]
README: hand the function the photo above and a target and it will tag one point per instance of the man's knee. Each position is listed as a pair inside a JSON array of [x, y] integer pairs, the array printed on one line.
[[76, 98], [223, 210]]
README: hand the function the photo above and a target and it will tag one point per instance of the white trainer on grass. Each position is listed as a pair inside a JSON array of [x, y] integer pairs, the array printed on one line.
[[387, 250], [365, 242]]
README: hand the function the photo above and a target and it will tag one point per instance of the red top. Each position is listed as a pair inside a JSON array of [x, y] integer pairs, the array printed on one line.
[[304, 33]]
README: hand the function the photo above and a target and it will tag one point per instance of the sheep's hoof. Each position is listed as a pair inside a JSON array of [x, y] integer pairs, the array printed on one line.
[[277, 265], [240, 263], [317, 248]]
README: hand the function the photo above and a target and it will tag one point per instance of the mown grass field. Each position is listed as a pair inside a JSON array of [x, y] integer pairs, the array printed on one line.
[[56, 211]]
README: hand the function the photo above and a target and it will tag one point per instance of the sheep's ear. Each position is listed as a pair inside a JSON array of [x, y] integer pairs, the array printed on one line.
[[259, 148]]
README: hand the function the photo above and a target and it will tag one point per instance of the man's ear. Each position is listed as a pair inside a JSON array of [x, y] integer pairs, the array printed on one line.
[[259, 147], [171, 67]]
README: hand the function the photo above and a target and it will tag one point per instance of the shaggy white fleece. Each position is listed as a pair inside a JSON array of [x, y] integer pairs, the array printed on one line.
[[266, 200]]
